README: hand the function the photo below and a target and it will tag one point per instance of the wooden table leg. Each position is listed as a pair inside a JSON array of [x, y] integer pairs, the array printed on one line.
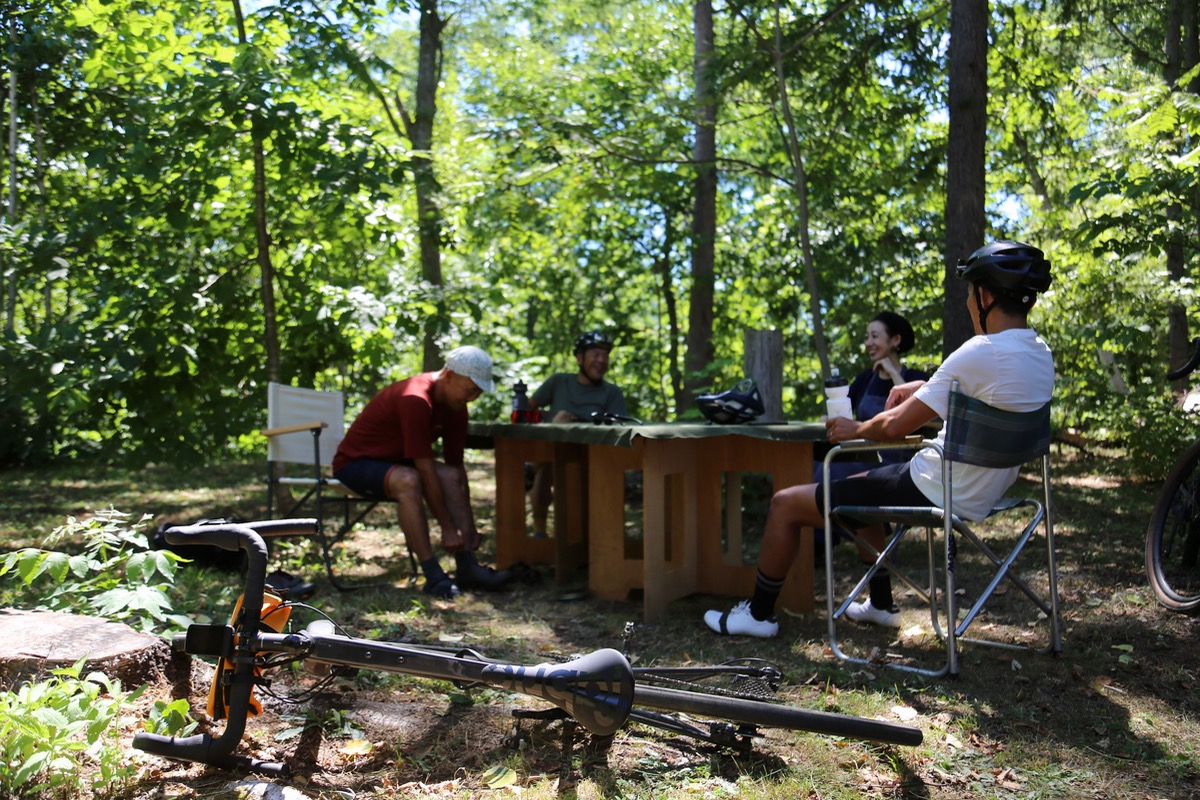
[[723, 463], [570, 510], [513, 542], [669, 560], [611, 574]]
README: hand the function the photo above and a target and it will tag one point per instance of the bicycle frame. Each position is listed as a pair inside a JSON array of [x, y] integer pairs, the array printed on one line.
[[598, 690]]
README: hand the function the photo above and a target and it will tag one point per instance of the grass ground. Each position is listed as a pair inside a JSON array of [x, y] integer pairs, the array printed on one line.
[[1116, 716]]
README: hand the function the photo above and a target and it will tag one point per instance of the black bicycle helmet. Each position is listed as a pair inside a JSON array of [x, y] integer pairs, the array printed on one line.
[[1012, 266], [1011, 270], [592, 339], [733, 406]]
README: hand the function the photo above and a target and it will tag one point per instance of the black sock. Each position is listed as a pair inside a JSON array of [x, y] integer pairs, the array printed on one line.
[[766, 592], [881, 590], [464, 558], [434, 573]]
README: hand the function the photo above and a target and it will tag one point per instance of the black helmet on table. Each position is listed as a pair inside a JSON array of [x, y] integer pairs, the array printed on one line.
[[1012, 266], [733, 406], [592, 339]]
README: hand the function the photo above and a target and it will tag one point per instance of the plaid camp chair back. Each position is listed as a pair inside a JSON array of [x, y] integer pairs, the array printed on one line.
[[985, 436]]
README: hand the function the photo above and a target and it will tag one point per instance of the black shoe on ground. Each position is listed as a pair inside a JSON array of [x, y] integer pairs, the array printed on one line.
[[443, 589], [477, 576], [290, 587]]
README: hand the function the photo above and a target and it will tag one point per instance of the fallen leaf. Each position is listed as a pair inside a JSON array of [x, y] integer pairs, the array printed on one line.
[[499, 777], [357, 747]]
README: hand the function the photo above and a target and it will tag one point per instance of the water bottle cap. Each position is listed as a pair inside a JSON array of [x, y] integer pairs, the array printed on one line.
[[835, 379], [520, 387]]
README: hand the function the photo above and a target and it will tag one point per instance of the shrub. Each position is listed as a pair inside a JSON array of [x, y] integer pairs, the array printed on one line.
[[116, 576], [62, 735]]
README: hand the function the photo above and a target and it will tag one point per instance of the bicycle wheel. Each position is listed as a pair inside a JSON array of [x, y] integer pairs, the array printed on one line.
[[1173, 537], [771, 715]]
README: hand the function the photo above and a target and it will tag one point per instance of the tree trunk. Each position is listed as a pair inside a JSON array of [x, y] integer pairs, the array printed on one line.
[[800, 183], [262, 238], [704, 218], [1180, 51], [266, 268], [429, 215], [965, 178], [662, 266], [10, 284]]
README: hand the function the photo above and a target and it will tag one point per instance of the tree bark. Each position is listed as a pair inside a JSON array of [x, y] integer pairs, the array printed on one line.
[[662, 265], [704, 218], [429, 214], [262, 238], [1180, 52], [965, 172], [10, 285], [800, 184]]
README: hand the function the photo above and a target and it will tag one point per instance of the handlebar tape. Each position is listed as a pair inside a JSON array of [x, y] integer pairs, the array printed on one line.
[[229, 535]]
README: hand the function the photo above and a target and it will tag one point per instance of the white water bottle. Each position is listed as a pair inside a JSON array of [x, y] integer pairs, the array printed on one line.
[[837, 396]]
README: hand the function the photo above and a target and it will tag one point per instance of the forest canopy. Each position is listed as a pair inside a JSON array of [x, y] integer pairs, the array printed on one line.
[[202, 197]]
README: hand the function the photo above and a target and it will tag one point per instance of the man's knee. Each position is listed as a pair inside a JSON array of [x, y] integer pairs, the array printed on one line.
[[403, 483], [793, 499]]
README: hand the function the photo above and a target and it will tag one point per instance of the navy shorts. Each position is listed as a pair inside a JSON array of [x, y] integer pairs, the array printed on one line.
[[889, 485], [368, 476]]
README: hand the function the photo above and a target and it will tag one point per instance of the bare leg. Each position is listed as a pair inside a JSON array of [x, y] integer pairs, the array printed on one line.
[[458, 499], [795, 508], [792, 508], [404, 486]]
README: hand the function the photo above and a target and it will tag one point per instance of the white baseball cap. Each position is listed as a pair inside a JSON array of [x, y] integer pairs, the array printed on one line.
[[474, 364]]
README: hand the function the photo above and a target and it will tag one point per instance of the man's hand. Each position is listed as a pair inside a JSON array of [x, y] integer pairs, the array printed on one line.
[[565, 416], [900, 393], [840, 429], [452, 539]]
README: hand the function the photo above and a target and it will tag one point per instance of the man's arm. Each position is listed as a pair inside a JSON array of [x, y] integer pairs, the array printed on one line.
[[890, 424]]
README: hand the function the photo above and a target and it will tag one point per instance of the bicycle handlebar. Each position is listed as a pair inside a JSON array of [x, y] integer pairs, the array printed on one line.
[[203, 747], [1190, 366]]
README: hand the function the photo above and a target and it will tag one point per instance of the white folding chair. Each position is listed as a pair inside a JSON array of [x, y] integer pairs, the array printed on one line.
[[981, 435], [305, 426]]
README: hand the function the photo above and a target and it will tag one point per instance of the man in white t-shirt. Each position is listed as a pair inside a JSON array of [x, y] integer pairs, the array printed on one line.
[[1005, 365]]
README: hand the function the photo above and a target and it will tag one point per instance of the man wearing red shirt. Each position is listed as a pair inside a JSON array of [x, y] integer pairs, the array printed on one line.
[[389, 452]]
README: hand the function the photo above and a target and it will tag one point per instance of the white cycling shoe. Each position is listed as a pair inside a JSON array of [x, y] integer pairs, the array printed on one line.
[[738, 621], [868, 614]]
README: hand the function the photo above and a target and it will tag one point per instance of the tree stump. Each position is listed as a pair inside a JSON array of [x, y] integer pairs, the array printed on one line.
[[34, 642]]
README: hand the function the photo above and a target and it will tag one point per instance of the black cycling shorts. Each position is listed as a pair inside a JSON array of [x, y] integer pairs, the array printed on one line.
[[889, 485]]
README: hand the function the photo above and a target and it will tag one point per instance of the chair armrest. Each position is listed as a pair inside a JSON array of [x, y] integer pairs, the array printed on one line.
[[303, 426], [912, 440]]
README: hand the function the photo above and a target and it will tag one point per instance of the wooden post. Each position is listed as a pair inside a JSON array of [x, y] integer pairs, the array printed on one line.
[[763, 362]]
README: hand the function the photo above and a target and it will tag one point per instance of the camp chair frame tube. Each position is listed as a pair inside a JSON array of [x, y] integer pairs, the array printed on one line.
[[927, 592], [967, 446]]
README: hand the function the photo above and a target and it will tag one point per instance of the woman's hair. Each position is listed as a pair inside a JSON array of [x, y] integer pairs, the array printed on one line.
[[897, 325]]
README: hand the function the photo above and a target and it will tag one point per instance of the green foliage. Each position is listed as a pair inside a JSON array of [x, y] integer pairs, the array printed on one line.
[[116, 575], [563, 147], [63, 735], [171, 718], [333, 723]]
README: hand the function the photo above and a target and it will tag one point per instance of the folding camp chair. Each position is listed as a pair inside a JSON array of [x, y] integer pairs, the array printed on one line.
[[981, 435], [305, 426]]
